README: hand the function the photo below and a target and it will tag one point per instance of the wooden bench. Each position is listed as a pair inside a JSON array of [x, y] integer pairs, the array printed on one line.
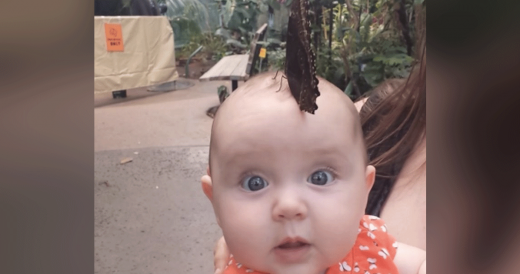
[[237, 67]]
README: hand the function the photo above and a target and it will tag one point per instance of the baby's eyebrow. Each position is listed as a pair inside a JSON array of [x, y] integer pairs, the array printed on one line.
[[325, 150], [238, 155]]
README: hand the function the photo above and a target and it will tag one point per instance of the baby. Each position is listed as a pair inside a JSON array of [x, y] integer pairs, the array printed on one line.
[[289, 188]]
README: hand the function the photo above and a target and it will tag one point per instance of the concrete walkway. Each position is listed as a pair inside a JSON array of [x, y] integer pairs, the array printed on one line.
[[151, 215]]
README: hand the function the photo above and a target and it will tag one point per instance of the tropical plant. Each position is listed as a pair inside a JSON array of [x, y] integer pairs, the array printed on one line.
[[190, 18], [373, 39], [359, 43], [214, 47], [239, 20]]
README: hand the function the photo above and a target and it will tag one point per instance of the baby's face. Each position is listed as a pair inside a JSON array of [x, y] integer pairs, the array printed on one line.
[[289, 188]]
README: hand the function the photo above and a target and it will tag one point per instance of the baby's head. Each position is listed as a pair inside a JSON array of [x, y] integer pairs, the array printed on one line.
[[288, 188]]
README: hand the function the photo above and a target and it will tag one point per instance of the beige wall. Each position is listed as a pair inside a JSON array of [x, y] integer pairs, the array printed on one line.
[[148, 57]]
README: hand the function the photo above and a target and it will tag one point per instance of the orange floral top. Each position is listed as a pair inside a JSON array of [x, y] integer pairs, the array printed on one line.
[[373, 252]]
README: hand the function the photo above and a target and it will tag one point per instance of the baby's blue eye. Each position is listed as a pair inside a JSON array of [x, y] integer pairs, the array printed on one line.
[[254, 183], [320, 177]]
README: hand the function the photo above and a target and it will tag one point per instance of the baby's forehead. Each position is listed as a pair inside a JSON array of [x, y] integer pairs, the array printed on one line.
[[262, 107], [265, 87], [264, 95]]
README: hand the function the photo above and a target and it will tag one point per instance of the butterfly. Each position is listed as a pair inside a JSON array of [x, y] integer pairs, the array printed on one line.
[[300, 62]]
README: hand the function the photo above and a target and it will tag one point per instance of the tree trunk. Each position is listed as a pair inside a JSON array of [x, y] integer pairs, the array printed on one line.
[[405, 28], [331, 25], [318, 17]]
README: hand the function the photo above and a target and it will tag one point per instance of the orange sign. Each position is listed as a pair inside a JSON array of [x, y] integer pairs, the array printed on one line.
[[114, 36], [263, 51]]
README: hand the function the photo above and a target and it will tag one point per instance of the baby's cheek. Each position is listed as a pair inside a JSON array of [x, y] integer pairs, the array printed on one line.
[[246, 232], [336, 228], [336, 239]]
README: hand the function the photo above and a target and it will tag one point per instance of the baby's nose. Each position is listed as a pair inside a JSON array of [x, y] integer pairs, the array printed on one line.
[[289, 206]]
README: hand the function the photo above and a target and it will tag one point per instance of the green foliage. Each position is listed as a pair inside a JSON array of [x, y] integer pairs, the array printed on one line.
[[214, 47], [240, 20], [276, 58], [331, 69], [189, 18], [195, 10], [367, 44], [193, 25]]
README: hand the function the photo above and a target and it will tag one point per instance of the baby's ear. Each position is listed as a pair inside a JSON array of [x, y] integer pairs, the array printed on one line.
[[370, 176], [207, 186]]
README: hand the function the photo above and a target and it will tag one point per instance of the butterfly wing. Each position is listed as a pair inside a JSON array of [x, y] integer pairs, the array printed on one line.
[[300, 63]]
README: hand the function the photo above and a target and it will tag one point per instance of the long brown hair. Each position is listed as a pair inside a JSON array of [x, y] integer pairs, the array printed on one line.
[[393, 121]]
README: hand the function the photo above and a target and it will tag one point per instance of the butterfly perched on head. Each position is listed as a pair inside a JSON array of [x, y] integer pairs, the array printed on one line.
[[300, 62]]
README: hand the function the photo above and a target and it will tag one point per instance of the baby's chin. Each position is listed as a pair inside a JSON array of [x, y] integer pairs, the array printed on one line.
[[297, 269]]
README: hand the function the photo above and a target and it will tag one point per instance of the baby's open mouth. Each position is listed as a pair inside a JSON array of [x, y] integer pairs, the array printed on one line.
[[292, 245], [292, 250]]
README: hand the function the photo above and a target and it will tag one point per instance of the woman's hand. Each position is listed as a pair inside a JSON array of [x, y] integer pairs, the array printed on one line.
[[221, 255]]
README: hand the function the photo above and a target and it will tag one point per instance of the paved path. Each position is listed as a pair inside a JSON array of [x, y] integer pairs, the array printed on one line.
[[150, 214]]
